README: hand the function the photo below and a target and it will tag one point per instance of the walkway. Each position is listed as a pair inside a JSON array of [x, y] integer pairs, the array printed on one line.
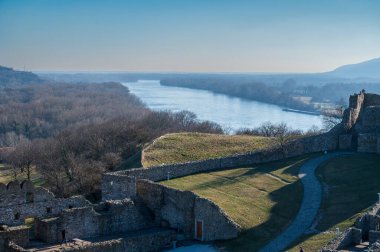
[[309, 208]]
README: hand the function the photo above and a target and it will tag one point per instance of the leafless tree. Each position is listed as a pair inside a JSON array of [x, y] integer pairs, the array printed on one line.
[[332, 117]]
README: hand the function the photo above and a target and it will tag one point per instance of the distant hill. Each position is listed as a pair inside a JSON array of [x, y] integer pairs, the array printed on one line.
[[10, 77], [367, 69]]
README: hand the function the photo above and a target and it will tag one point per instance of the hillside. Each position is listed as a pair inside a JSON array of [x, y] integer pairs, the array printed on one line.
[[10, 77], [185, 147], [366, 69]]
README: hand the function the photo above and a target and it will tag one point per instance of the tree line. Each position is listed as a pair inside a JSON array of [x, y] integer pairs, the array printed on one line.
[[70, 133]]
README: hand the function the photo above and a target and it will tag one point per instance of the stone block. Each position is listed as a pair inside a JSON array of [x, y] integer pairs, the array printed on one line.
[[345, 142]]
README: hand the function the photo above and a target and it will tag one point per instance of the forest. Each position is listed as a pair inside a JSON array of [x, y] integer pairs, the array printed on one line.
[[73, 132]]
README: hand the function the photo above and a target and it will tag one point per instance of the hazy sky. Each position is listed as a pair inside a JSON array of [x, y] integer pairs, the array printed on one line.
[[188, 35]]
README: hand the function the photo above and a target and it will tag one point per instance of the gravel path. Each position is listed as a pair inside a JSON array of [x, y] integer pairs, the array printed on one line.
[[309, 208]]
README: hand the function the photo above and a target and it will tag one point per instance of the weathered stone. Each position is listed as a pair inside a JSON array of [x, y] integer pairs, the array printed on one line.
[[345, 142]]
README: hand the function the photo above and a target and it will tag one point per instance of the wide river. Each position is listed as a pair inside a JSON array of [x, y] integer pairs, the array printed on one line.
[[230, 112]]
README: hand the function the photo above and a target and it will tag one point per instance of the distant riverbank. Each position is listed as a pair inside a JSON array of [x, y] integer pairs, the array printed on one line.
[[256, 91], [230, 112]]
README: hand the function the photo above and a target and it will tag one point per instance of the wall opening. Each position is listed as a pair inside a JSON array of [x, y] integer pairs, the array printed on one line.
[[199, 230], [29, 197]]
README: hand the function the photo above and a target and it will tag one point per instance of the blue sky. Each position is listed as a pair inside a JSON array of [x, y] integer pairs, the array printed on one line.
[[188, 35]]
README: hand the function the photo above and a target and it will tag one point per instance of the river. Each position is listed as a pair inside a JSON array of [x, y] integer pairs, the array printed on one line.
[[230, 112]]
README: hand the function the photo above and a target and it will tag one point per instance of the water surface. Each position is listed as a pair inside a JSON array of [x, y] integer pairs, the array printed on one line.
[[230, 112]]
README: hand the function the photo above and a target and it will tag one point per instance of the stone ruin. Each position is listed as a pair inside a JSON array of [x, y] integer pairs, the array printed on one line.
[[137, 214], [151, 220], [361, 124], [366, 228]]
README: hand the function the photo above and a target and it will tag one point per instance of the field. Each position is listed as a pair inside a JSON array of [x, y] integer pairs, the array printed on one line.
[[353, 184], [7, 175], [184, 147], [262, 199]]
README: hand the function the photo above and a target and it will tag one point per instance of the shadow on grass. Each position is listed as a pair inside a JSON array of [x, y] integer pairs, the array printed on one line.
[[287, 199], [352, 185]]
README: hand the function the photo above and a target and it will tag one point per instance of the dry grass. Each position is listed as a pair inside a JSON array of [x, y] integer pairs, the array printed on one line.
[[7, 175], [262, 199], [184, 147]]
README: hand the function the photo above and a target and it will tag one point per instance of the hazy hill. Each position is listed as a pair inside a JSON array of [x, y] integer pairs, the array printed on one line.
[[10, 77], [367, 69]]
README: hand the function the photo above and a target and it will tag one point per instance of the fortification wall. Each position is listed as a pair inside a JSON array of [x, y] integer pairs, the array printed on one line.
[[117, 186], [182, 209], [115, 217], [19, 201], [145, 241], [121, 184], [368, 142], [19, 234]]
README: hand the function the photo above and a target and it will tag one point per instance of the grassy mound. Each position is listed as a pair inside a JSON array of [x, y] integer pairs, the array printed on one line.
[[262, 199], [352, 186], [184, 147]]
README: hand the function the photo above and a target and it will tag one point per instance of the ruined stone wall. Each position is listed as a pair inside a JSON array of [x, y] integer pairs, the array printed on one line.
[[153, 240], [111, 218], [117, 186], [19, 201], [19, 234], [368, 142], [181, 209], [350, 237]]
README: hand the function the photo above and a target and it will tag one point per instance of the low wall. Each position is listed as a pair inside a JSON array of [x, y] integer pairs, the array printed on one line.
[[182, 209]]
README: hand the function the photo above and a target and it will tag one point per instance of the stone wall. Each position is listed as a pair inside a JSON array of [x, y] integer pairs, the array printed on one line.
[[19, 201], [182, 209], [117, 186], [367, 142], [350, 237], [19, 234], [153, 240], [113, 217], [121, 184]]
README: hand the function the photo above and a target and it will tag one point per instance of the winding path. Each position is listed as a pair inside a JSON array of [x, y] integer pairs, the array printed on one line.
[[309, 208]]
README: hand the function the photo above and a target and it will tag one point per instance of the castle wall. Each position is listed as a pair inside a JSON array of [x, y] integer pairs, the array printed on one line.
[[117, 186], [19, 234], [122, 184], [371, 119], [181, 209], [368, 142], [21, 201]]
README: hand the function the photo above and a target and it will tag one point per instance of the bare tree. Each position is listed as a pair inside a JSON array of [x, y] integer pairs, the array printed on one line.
[[23, 157], [332, 117]]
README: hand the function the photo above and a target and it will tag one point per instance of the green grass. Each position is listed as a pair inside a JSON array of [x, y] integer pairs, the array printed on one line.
[[353, 184], [184, 147], [262, 199], [7, 175]]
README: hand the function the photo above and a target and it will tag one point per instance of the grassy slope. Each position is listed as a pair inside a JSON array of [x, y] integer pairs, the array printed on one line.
[[7, 175], [262, 199], [184, 147], [353, 184]]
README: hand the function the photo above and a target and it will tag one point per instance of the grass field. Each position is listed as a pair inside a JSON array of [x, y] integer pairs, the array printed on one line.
[[7, 175], [353, 183], [184, 147], [262, 199]]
